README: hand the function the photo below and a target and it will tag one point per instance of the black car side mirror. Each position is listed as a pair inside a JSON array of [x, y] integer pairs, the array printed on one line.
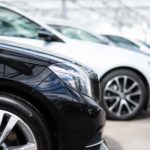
[[47, 36]]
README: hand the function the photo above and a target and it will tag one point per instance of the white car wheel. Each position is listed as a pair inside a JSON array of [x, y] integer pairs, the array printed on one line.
[[123, 94]]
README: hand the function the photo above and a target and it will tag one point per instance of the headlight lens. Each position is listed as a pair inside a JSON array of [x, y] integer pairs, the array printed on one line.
[[74, 76]]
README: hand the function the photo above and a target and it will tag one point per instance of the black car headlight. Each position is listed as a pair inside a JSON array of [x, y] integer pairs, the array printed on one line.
[[74, 76]]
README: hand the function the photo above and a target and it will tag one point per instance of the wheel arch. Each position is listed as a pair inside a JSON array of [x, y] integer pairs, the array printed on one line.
[[137, 72], [25, 92]]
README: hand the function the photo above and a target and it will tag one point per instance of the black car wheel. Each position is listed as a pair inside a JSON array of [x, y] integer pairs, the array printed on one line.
[[123, 94], [21, 125]]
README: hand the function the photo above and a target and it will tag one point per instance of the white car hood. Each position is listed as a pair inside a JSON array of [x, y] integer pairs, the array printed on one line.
[[90, 54]]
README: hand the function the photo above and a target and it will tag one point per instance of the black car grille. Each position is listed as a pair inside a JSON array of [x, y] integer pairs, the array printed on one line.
[[94, 83]]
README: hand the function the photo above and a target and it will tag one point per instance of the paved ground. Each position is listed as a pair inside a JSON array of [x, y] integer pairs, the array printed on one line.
[[129, 135]]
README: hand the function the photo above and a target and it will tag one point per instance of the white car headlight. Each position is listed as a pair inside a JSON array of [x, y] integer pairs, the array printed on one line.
[[74, 76]]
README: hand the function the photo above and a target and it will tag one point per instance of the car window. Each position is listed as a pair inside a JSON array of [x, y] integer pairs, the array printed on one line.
[[144, 43], [13, 24], [123, 42], [78, 34]]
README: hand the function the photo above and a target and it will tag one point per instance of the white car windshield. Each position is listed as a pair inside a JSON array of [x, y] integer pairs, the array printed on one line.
[[79, 34], [13, 24]]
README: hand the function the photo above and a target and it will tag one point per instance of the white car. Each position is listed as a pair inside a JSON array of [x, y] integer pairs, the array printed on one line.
[[124, 74], [75, 31], [79, 32], [128, 43]]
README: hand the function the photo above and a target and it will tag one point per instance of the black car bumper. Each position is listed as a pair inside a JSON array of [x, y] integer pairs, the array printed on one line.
[[79, 119], [97, 142], [101, 145]]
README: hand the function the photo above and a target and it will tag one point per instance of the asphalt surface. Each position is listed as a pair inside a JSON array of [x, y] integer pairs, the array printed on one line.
[[129, 135]]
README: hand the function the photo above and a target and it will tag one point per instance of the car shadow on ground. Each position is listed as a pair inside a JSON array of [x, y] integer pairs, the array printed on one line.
[[112, 144]]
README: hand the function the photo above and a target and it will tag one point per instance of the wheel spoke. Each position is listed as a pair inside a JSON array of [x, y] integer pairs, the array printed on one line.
[[10, 125], [111, 90], [120, 108], [118, 84], [1, 117], [125, 84], [131, 101], [127, 106], [110, 97], [132, 87], [114, 105], [135, 93], [24, 147]]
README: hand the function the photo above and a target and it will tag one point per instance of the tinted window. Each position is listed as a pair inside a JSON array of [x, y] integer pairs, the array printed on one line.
[[13, 24], [123, 42], [79, 34], [144, 43]]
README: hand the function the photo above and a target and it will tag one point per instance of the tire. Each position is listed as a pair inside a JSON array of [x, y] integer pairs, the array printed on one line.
[[22, 125], [123, 94]]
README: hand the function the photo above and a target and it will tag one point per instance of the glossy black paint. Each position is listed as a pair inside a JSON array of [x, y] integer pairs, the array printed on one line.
[[76, 117]]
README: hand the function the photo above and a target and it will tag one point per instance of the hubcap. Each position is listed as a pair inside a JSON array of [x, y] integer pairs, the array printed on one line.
[[122, 95], [15, 134]]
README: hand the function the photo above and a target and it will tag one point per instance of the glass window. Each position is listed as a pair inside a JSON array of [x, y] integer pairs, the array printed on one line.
[[13, 24], [123, 42], [79, 34], [144, 43]]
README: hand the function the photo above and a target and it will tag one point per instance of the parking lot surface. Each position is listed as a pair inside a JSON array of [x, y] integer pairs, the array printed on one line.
[[129, 135]]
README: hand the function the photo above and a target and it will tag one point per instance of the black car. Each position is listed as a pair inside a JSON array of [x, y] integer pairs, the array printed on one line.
[[45, 102]]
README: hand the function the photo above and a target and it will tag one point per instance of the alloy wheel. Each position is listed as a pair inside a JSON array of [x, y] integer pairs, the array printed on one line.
[[15, 134], [122, 95]]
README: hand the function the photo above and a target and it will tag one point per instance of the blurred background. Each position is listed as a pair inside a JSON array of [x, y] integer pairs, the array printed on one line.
[[127, 17]]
